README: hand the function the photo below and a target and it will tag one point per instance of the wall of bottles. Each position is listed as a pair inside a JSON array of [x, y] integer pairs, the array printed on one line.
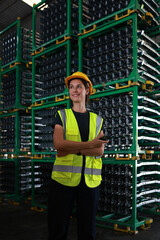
[[43, 125], [50, 70], [64, 22], [16, 45], [96, 10], [116, 189], [15, 133], [110, 56], [148, 65], [16, 88], [15, 177], [148, 183], [43, 135], [117, 112], [41, 179], [148, 128]]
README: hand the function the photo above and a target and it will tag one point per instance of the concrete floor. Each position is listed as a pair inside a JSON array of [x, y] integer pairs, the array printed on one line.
[[20, 223]]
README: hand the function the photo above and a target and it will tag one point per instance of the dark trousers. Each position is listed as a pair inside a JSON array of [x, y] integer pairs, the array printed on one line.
[[60, 204]]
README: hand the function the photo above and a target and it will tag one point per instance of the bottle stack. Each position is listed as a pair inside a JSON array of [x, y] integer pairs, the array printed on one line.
[[55, 56], [117, 46], [121, 56], [15, 118]]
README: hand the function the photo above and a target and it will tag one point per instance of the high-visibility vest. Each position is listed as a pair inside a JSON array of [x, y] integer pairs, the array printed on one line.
[[67, 170]]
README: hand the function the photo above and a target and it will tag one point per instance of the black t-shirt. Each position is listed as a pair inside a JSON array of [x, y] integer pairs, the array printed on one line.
[[83, 123]]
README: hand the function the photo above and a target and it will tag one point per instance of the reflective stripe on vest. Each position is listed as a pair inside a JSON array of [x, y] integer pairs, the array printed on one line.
[[74, 169], [63, 114], [98, 123], [62, 168], [92, 171]]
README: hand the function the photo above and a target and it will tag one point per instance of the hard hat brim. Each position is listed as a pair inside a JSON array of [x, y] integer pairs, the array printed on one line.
[[78, 77]]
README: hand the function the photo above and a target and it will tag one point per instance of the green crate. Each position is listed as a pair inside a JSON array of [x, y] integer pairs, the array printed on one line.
[[41, 177], [49, 70], [132, 220], [15, 179], [15, 87], [130, 118], [96, 14], [47, 19], [42, 127], [15, 133], [16, 45], [118, 64]]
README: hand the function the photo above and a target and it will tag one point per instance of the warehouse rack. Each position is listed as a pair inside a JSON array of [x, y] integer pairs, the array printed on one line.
[[13, 42], [16, 45], [16, 88], [15, 179], [41, 172], [124, 216], [48, 78], [15, 133], [96, 14], [42, 127], [52, 31], [115, 71], [127, 99]]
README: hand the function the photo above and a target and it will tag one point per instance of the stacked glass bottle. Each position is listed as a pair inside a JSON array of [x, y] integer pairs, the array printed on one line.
[[55, 21], [118, 55], [16, 97], [55, 56]]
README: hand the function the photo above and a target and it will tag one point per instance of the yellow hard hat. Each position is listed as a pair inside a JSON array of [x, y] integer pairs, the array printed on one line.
[[79, 75]]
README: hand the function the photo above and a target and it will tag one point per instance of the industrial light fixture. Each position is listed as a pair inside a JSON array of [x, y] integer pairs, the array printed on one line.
[[31, 2]]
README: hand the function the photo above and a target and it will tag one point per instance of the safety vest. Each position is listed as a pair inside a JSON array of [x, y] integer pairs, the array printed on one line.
[[67, 170]]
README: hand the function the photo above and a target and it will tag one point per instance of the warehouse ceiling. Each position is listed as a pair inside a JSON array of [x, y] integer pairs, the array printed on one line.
[[11, 9]]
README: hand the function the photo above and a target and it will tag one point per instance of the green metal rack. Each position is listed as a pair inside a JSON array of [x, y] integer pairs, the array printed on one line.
[[13, 128], [134, 148], [110, 15], [5, 32], [64, 48], [39, 117], [15, 51], [41, 174], [44, 7], [129, 223], [18, 90], [12, 180], [135, 75]]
